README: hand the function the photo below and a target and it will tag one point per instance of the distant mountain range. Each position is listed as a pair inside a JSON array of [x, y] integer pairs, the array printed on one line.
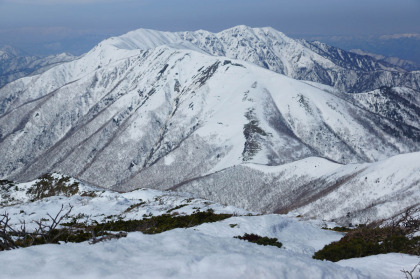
[[405, 46], [14, 64], [213, 114], [404, 64]]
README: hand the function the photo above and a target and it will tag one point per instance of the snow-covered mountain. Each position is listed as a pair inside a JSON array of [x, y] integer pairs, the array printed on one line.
[[271, 49], [14, 65], [154, 109]]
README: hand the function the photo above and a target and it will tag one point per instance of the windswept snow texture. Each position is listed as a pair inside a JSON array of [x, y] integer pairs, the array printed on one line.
[[206, 251], [135, 113]]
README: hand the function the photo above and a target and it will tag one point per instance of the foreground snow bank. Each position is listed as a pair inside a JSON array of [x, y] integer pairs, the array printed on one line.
[[174, 254], [384, 266]]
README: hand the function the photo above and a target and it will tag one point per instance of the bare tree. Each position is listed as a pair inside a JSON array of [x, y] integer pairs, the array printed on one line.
[[49, 232], [45, 232], [409, 274], [7, 241]]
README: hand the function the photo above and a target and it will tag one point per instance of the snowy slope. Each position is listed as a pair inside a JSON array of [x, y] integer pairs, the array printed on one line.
[[398, 103], [371, 191], [206, 251]]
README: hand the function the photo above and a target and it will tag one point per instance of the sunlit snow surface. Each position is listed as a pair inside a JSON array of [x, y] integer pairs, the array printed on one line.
[[205, 251]]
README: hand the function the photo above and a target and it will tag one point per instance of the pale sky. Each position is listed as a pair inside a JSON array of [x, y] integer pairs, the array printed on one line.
[[72, 23]]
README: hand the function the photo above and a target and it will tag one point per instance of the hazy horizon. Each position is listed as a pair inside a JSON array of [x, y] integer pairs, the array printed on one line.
[[45, 26]]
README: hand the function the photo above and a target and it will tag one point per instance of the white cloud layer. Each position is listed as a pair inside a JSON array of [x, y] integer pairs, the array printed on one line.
[[400, 36]]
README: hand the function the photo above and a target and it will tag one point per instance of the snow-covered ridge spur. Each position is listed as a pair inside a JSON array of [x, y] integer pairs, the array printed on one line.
[[35, 199], [206, 251], [172, 117]]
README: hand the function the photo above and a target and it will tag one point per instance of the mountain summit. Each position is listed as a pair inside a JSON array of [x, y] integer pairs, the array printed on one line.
[[271, 49]]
